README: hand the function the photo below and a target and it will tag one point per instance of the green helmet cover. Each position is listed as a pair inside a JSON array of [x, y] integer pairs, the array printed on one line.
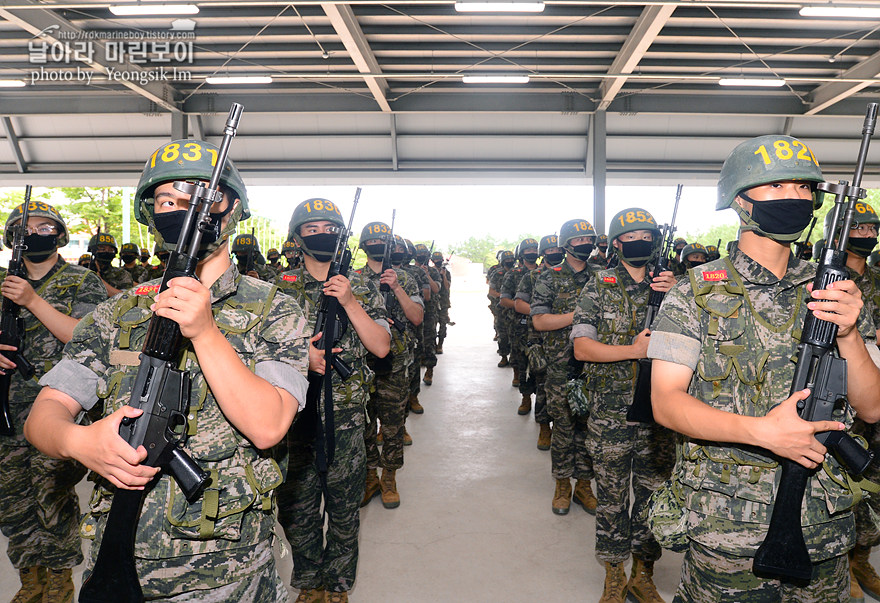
[[527, 243], [694, 248], [288, 246], [506, 255], [130, 248], [630, 220], [373, 231], [35, 209], [573, 229], [102, 238], [547, 242], [244, 242], [312, 210]]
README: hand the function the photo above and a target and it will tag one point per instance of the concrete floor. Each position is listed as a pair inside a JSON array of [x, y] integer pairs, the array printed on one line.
[[474, 522]]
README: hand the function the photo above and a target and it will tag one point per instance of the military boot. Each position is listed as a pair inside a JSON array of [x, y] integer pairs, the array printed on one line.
[[371, 486], [310, 595], [503, 362], [863, 571], [856, 594], [439, 349], [526, 406], [562, 496], [641, 583], [414, 406], [429, 375], [583, 495], [615, 584], [390, 497], [407, 439], [59, 586], [379, 439], [544, 436], [33, 582], [336, 597], [515, 382]]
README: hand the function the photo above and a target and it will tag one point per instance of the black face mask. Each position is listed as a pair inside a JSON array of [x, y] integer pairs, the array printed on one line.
[[582, 251], [241, 258], [145, 258], [397, 258], [163, 257], [423, 259], [375, 251], [128, 258], [531, 258], [782, 220], [320, 246], [170, 224], [104, 257], [862, 247], [553, 258], [508, 264], [637, 253], [603, 248], [40, 247], [689, 264]]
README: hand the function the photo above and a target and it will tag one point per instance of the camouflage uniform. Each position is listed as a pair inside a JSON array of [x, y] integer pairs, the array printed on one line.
[[734, 313], [535, 338], [501, 316], [555, 292], [315, 565], [173, 555], [493, 302], [518, 330], [387, 404], [118, 278], [612, 309], [445, 304], [137, 272], [39, 508], [429, 324], [415, 382]]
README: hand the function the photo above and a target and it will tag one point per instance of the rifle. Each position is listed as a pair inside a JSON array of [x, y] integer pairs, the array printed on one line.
[[93, 263], [249, 264], [386, 257], [12, 323], [331, 321], [163, 392], [640, 411], [783, 554], [799, 246]]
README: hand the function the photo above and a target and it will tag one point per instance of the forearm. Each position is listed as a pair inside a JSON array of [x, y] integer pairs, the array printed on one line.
[[260, 411], [373, 335], [522, 307], [551, 322], [591, 350], [863, 377], [505, 302], [51, 427], [60, 325], [435, 286], [111, 290], [413, 311]]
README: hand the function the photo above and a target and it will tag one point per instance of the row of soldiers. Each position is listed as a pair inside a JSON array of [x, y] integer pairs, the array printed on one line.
[[559, 324]]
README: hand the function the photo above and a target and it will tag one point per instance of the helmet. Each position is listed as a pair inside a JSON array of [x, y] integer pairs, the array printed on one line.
[[85, 258], [129, 248], [158, 249], [547, 242], [498, 254], [437, 257], [184, 160], [410, 251], [287, 246], [711, 249], [374, 230], [766, 159], [863, 213], [573, 229], [312, 210], [712, 252], [272, 254], [145, 254], [422, 252], [602, 240], [679, 241], [528, 243], [36, 208], [245, 242], [818, 246], [694, 248], [505, 256], [102, 238], [631, 219]]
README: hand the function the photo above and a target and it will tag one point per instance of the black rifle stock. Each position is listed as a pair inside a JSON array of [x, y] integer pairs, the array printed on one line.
[[800, 245], [163, 393], [12, 323], [249, 264], [640, 411], [784, 554]]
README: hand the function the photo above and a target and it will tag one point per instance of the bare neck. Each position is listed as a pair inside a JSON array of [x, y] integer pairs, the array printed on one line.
[[768, 253]]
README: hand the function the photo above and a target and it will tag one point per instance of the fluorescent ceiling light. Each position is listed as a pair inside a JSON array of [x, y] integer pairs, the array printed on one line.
[[12, 84], [495, 79], [499, 7], [753, 81], [855, 12], [128, 10], [240, 79]]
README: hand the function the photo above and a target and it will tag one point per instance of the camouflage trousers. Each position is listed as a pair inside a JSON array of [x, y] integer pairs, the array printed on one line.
[[39, 508], [622, 453], [503, 337], [867, 533], [709, 576], [518, 339], [569, 456], [387, 405], [443, 322], [316, 564], [429, 338], [541, 413]]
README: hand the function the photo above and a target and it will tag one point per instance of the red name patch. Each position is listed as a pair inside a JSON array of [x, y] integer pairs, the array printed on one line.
[[715, 275], [557, 268], [146, 289], [290, 278], [609, 279]]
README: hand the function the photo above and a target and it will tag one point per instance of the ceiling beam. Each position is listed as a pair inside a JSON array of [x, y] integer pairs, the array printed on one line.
[[346, 25], [830, 93], [198, 127], [643, 34], [49, 26], [14, 145]]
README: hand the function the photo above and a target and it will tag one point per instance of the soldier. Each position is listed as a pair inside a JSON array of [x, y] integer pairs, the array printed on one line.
[[552, 307], [445, 298], [39, 508], [506, 262], [552, 255], [103, 248], [247, 257], [129, 256], [737, 424], [145, 258], [599, 260], [519, 330], [608, 334], [694, 255], [712, 253], [327, 572], [84, 260], [413, 403], [247, 354], [387, 403], [292, 256], [862, 241], [432, 312], [158, 270], [274, 261]]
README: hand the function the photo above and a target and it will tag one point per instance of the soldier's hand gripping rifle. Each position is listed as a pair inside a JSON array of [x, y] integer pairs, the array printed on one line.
[[12, 323], [640, 411], [331, 321], [783, 553], [163, 393]]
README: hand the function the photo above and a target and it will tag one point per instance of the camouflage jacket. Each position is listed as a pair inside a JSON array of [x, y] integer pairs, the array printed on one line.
[[524, 292], [611, 309], [737, 327], [432, 306], [154, 272], [268, 332], [595, 263], [508, 290], [556, 291], [137, 272], [421, 280], [490, 276], [445, 291], [869, 284], [117, 277], [307, 290], [73, 291], [401, 340]]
